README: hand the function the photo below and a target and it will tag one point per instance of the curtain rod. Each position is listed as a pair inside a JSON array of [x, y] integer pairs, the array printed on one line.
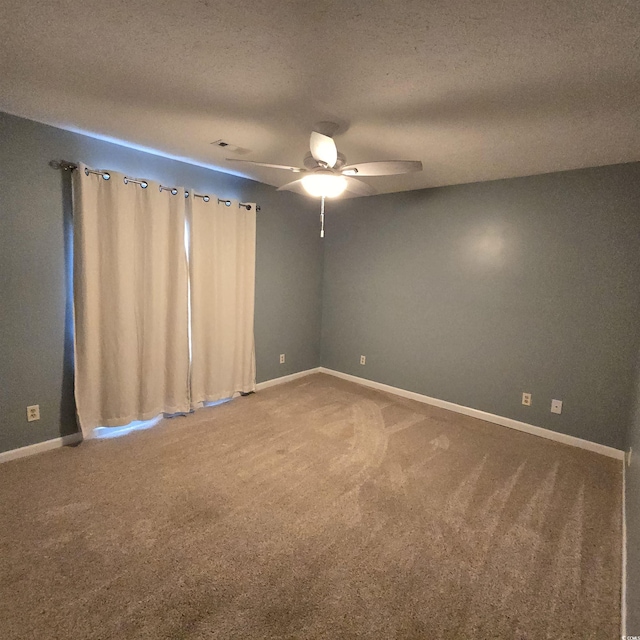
[[65, 165]]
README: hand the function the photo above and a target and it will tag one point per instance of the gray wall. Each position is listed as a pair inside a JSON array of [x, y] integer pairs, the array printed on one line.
[[35, 226], [477, 293], [633, 518]]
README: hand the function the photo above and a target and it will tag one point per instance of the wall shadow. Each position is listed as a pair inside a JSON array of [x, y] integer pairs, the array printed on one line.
[[68, 422]]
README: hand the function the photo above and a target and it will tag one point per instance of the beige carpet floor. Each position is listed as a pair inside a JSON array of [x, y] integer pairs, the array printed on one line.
[[315, 509]]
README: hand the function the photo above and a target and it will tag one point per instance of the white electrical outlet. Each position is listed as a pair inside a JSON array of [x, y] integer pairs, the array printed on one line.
[[33, 412], [526, 399], [282, 358], [363, 359], [556, 406]]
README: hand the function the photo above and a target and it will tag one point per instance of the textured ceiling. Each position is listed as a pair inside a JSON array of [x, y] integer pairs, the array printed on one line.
[[476, 89]]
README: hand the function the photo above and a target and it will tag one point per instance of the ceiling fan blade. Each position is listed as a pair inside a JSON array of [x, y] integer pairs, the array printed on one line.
[[266, 164], [384, 168], [359, 188], [323, 149], [295, 186]]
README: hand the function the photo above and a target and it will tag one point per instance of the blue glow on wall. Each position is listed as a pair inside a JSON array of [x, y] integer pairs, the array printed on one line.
[[154, 152]]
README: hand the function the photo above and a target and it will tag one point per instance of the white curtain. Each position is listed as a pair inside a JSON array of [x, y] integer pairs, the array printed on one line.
[[222, 272], [130, 301]]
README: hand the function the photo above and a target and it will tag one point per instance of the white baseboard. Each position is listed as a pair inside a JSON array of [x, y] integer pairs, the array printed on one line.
[[292, 376], [74, 438], [40, 447], [623, 595], [483, 415]]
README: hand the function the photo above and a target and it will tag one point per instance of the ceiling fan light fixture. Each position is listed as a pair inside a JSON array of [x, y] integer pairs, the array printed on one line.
[[321, 184]]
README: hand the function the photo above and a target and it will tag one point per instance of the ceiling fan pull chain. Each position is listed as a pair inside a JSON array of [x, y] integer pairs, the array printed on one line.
[[322, 218]]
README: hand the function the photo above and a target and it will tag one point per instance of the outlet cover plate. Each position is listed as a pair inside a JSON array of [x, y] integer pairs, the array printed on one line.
[[33, 412], [556, 406]]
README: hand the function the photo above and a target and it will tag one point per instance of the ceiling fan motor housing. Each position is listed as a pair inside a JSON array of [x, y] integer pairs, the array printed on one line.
[[311, 163]]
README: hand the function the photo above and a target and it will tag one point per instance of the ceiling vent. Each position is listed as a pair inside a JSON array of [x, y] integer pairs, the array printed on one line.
[[230, 147]]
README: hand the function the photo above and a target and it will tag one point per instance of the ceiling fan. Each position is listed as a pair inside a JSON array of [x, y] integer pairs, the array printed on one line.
[[326, 174]]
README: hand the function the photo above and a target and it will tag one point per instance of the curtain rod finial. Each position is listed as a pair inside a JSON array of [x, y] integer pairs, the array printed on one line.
[[63, 164]]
